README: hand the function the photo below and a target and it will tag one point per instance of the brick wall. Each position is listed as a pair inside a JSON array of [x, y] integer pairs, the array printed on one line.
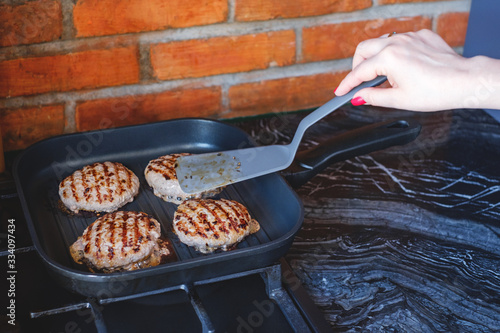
[[78, 65]]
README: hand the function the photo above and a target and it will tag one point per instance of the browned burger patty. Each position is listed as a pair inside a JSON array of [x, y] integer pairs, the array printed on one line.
[[120, 241], [160, 175], [208, 224], [99, 187]]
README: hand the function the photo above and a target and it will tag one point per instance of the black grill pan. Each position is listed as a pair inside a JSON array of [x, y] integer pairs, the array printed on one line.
[[270, 199]]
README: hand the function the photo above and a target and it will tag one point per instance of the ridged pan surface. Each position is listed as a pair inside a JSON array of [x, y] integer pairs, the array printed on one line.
[[40, 168]]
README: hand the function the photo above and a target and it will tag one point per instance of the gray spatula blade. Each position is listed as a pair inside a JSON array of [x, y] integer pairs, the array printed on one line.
[[207, 171], [198, 173]]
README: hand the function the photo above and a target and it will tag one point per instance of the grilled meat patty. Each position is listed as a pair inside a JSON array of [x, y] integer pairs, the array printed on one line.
[[120, 241], [208, 224], [160, 175], [99, 187]]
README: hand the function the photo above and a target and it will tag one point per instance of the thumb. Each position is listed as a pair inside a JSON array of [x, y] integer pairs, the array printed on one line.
[[385, 97]]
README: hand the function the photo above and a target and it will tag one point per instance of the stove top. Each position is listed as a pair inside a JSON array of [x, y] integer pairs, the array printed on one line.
[[262, 300]]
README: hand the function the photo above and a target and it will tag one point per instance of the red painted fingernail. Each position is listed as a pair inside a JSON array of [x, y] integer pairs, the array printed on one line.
[[358, 101], [334, 90]]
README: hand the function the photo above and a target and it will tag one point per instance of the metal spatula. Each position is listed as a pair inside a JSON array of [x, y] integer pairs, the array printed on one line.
[[197, 173]]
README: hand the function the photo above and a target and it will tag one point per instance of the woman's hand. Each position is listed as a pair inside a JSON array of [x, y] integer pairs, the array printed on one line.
[[425, 73]]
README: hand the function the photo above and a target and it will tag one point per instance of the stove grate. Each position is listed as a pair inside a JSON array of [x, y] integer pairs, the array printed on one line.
[[270, 275]]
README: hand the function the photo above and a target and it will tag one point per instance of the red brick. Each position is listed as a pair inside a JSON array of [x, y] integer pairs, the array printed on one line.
[[109, 17], [130, 110], [88, 69], [204, 57], [23, 127], [289, 94], [251, 10], [29, 23], [336, 41], [453, 28]]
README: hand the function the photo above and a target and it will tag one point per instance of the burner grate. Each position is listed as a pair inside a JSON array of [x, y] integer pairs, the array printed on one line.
[[277, 304]]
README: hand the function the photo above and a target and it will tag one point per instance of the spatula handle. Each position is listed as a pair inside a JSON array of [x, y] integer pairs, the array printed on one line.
[[329, 107], [350, 144]]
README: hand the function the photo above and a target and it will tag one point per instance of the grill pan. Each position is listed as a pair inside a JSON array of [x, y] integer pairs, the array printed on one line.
[[269, 199]]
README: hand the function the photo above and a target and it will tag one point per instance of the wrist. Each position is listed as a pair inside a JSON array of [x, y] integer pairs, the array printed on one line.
[[482, 84]]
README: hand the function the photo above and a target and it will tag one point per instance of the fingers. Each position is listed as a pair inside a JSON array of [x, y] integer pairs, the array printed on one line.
[[375, 56], [387, 97], [352, 80], [365, 71], [368, 70], [414, 59], [366, 51], [368, 48]]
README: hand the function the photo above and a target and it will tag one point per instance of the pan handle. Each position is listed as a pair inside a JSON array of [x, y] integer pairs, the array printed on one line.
[[353, 143]]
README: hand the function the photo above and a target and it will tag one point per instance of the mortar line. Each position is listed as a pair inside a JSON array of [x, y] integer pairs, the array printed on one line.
[[68, 29], [231, 8], [69, 116], [298, 45]]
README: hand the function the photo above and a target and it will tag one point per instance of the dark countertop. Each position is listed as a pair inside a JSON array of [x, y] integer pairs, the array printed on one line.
[[404, 239]]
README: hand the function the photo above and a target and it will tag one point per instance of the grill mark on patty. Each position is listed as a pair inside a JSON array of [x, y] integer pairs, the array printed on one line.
[[222, 225], [93, 171], [107, 179], [206, 221], [124, 239], [113, 176], [162, 168], [123, 183], [74, 192], [194, 222], [97, 233], [231, 223], [111, 251], [84, 184], [160, 165], [164, 165], [136, 235], [183, 228], [242, 220], [151, 227]]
